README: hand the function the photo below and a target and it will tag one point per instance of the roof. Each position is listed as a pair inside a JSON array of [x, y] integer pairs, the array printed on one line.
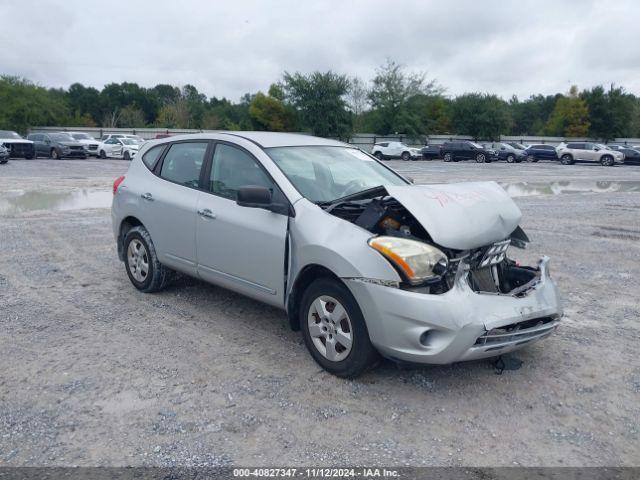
[[278, 139]]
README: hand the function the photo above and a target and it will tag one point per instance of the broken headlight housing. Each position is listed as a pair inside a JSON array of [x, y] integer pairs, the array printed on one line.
[[418, 262]]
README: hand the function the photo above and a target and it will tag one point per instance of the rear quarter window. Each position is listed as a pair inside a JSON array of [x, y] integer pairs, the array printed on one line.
[[150, 158]]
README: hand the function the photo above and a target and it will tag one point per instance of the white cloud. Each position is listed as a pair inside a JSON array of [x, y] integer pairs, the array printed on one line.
[[229, 48]]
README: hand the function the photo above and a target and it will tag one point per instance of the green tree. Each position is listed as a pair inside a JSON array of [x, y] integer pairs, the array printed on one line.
[[570, 116], [269, 113], [481, 115], [610, 112], [392, 88], [319, 99], [530, 116]]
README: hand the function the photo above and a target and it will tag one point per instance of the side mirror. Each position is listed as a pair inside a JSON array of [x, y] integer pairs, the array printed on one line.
[[596, 149], [253, 196]]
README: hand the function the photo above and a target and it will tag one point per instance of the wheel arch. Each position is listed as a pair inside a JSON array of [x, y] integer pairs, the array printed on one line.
[[304, 278], [125, 225]]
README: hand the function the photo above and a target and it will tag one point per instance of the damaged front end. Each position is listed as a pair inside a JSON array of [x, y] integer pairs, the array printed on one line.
[[461, 297]]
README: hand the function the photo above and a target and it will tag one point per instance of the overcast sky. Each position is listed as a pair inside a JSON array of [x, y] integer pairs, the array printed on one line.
[[227, 48]]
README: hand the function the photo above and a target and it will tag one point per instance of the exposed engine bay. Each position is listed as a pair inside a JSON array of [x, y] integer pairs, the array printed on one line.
[[490, 270]]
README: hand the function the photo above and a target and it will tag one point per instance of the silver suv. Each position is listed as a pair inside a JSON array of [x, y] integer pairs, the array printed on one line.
[[362, 261], [569, 153]]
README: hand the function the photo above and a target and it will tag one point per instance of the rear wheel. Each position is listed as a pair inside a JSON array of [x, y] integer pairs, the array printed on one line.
[[378, 155], [511, 158], [141, 262], [566, 159], [607, 161], [405, 156], [102, 154], [334, 329], [54, 154], [448, 157]]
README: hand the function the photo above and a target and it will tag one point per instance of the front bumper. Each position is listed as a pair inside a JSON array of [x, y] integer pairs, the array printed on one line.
[[458, 325]]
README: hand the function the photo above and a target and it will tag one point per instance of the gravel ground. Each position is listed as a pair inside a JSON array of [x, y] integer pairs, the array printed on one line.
[[96, 373]]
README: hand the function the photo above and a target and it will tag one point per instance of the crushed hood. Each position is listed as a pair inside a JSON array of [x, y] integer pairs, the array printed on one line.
[[461, 216]]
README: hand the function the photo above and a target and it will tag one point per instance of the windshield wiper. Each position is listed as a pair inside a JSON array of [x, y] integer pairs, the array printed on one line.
[[369, 192]]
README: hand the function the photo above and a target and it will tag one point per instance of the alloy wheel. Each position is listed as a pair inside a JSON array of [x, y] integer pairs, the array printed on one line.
[[138, 260], [330, 328]]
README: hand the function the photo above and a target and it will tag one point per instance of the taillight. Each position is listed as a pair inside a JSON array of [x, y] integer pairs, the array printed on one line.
[[117, 183]]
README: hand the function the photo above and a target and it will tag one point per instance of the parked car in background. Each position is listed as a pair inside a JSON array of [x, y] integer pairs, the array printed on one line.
[[137, 138], [541, 151], [57, 145], [508, 153], [384, 150], [163, 135], [125, 148], [631, 154], [363, 262], [430, 152], [572, 152], [87, 140], [4, 154], [464, 150], [17, 146]]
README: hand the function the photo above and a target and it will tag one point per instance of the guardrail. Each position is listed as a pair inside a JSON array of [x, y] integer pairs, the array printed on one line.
[[364, 141]]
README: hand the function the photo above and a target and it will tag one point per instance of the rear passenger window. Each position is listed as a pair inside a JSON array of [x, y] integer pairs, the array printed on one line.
[[151, 157], [233, 168], [183, 162]]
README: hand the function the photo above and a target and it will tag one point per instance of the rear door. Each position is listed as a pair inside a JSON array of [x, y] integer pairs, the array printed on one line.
[[241, 248], [169, 203]]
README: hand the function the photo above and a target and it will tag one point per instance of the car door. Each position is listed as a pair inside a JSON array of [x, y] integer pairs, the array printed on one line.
[[117, 148], [240, 248], [168, 201]]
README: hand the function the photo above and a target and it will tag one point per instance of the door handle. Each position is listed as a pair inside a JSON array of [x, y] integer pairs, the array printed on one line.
[[147, 196], [205, 212]]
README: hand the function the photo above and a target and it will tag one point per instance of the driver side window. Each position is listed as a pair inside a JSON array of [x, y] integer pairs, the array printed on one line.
[[233, 168]]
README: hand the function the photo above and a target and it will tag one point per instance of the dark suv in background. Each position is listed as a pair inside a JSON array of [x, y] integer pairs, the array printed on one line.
[[465, 150], [57, 145], [631, 154], [541, 151]]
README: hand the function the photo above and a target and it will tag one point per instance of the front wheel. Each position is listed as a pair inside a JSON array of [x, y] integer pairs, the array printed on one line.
[[481, 158], [448, 157], [126, 155], [334, 329], [54, 154], [607, 161], [406, 156], [531, 159], [378, 155], [511, 158], [141, 262], [103, 155]]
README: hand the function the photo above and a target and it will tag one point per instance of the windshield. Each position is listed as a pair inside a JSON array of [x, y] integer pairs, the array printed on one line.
[[81, 136], [517, 146], [323, 174], [602, 147], [128, 141], [62, 137], [8, 134], [475, 145]]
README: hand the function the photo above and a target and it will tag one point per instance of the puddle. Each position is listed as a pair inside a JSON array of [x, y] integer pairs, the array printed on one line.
[[527, 189], [18, 201]]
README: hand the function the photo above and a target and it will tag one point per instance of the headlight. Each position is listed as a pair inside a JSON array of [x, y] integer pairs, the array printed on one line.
[[417, 261]]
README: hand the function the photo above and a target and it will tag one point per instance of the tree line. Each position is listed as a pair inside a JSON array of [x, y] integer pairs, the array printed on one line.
[[327, 104]]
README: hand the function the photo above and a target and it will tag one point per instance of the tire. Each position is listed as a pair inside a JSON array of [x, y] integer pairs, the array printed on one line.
[[566, 159], [379, 155], [481, 158], [140, 255], [54, 154], [531, 159], [448, 157], [103, 155], [126, 155], [348, 362], [511, 158], [84, 157], [406, 156], [607, 161], [29, 157]]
